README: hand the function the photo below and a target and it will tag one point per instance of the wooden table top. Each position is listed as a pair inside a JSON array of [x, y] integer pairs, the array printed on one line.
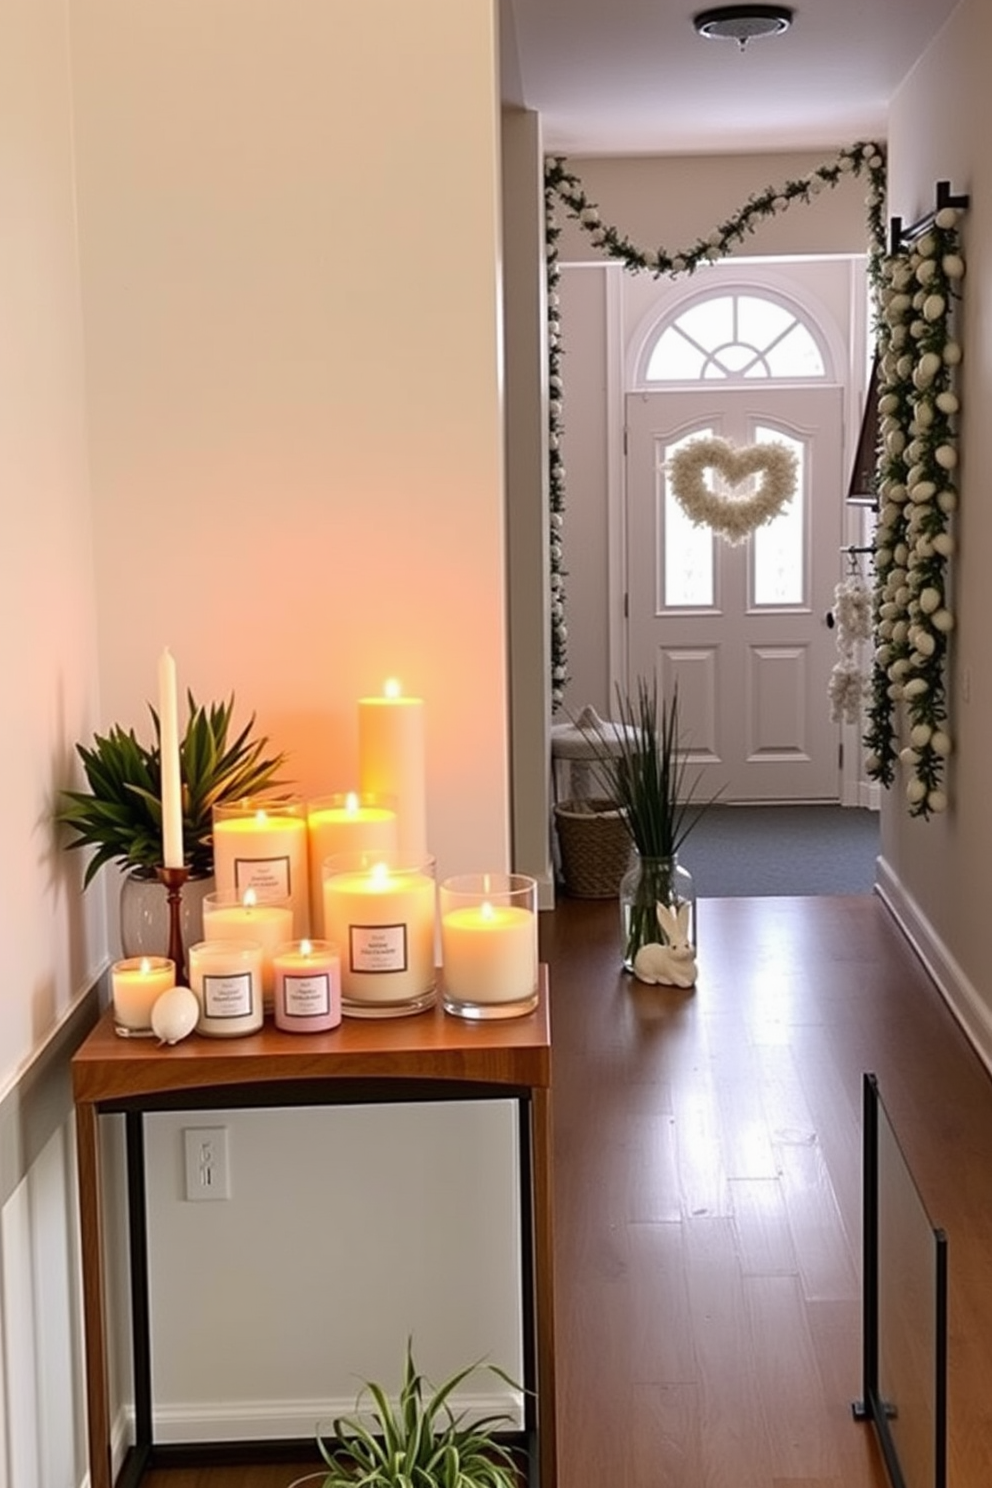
[[432, 1045]]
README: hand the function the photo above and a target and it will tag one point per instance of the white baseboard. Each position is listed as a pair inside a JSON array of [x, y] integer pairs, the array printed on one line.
[[957, 991], [248, 1420]]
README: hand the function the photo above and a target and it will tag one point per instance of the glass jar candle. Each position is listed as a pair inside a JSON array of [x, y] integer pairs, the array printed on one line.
[[136, 983], [489, 955], [380, 909], [226, 977], [307, 987], [260, 843]]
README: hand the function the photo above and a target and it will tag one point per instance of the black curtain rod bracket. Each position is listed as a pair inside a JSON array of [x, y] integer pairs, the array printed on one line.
[[901, 237]]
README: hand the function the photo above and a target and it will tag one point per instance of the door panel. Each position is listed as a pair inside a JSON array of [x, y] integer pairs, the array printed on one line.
[[750, 650]]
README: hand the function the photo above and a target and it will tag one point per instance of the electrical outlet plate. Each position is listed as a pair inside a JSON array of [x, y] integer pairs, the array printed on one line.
[[208, 1174]]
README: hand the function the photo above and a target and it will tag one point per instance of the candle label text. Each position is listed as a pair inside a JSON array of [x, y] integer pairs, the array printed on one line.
[[228, 996], [377, 948], [269, 877], [307, 996]]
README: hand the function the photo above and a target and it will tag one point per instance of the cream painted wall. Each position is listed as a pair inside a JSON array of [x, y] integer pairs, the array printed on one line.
[[289, 227], [939, 868], [54, 938]]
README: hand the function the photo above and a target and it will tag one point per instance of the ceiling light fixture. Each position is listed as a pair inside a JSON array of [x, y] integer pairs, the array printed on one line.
[[741, 23]]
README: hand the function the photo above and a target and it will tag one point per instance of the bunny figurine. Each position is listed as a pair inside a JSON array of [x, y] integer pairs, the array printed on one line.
[[674, 964]]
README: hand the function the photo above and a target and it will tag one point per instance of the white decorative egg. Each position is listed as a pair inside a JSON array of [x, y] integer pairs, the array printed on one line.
[[175, 1014]]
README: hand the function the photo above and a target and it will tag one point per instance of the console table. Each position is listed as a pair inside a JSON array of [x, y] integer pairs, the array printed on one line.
[[430, 1056]]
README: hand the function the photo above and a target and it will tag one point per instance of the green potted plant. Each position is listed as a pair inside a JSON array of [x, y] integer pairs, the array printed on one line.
[[641, 766], [120, 816], [418, 1442]]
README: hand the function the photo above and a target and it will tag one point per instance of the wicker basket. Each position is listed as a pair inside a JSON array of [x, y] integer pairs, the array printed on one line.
[[594, 847]]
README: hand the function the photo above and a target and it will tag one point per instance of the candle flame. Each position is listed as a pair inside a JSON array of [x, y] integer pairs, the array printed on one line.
[[486, 910], [261, 817], [146, 966], [306, 949], [351, 801], [380, 875], [392, 688], [250, 899]]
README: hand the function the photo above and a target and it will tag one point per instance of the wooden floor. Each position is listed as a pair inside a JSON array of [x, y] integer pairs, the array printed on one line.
[[708, 1198]]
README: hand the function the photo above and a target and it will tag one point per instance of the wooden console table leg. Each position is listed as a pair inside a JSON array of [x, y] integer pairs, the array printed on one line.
[[544, 1286], [94, 1314]]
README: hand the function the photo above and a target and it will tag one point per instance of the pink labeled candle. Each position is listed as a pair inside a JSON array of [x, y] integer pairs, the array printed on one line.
[[136, 984], [392, 762], [262, 845], [344, 823], [307, 986]]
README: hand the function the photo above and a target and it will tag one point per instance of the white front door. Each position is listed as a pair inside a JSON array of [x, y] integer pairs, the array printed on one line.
[[741, 630]]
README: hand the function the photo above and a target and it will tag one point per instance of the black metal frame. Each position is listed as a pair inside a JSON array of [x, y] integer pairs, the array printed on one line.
[[872, 1406], [145, 1454]]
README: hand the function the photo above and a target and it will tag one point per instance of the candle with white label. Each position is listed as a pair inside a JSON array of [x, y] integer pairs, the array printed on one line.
[[380, 910], [347, 822], [262, 845], [391, 757], [226, 977], [171, 772], [489, 947], [136, 984], [270, 925], [307, 986]]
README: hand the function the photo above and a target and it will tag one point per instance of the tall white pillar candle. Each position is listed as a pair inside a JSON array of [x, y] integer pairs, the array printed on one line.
[[262, 845], [171, 783], [392, 762]]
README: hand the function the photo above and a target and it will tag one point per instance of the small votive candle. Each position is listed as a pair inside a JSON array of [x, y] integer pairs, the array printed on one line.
[[226, 976], [260, 843], [489, 955], [380, 910], [136, 983], [347, 822], [226, 917], [307, 994]]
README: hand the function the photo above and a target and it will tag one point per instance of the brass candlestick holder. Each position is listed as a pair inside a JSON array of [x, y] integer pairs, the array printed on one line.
[[174, 878]]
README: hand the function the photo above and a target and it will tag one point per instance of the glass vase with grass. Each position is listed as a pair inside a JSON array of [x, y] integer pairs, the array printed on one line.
[[642, 767]]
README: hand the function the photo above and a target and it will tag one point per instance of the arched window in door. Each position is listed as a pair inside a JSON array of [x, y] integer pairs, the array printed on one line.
[[735, 336]]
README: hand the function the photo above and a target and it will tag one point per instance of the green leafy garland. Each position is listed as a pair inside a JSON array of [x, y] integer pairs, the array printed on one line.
[[918, 408], [562, 186]]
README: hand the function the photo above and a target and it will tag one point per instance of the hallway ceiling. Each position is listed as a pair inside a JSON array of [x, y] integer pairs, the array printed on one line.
[[631, 77]]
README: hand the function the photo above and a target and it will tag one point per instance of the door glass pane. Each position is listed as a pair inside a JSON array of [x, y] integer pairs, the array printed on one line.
[[796, 355], [674, 358], [687, 550], [778, 548]]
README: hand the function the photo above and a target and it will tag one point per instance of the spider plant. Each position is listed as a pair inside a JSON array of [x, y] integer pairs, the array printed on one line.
[[420, 1441], [121, 813]]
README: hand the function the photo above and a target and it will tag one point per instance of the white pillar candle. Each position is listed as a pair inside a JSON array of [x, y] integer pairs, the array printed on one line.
[[381, 915], [226, 977], [307, 986], [136, 984], [347, 822], [392, 762], [269, 925], [489, 945], [262, 845], [171, 773]]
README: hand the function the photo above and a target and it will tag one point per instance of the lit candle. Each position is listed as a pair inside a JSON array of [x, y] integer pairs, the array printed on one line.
[[339, 824], [136, 983], [392, 761], [269, 924], [226, 977], [489, 946], [262, 845], [172, 790], [381, 916], [307, 986]]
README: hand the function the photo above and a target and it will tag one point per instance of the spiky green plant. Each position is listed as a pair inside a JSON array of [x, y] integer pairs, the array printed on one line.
[[641, 765], [120, 816], [420, 1442]]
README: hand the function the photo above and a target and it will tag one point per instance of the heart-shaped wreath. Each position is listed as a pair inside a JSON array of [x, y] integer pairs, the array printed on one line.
[[734, 517]]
